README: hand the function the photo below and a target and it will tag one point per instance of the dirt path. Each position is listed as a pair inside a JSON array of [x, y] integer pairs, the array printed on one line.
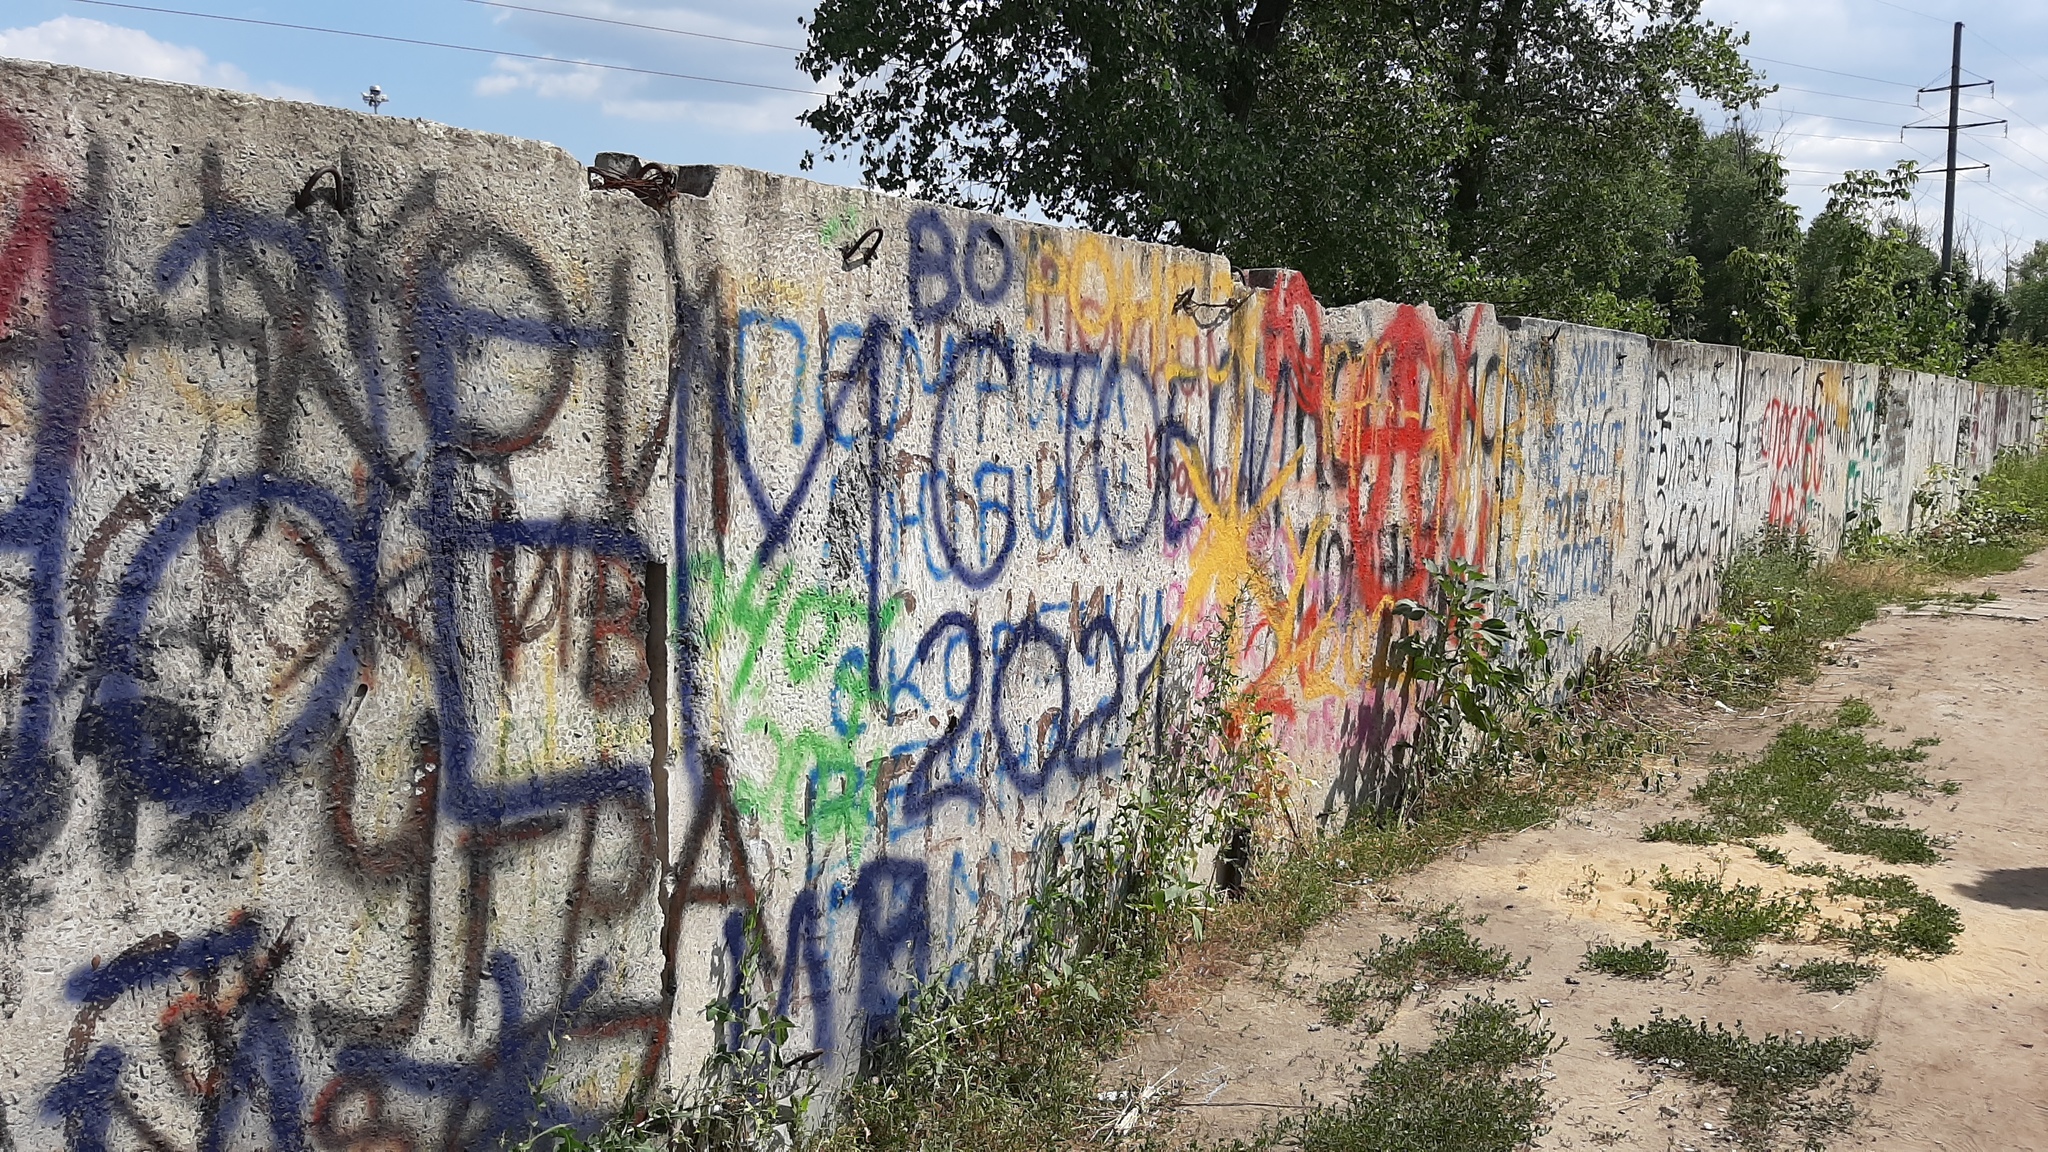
[[1961, 1041]]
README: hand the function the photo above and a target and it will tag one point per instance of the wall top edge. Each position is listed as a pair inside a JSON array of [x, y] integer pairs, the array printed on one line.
[[721, 185], [101, 87]]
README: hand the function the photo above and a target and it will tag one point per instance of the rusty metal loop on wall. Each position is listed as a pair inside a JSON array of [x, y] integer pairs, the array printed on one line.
[[861, 251], [1218, 312], [342, 195], [653, 184]]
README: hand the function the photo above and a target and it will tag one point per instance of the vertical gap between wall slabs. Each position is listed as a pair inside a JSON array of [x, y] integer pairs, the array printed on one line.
[[655, 585]]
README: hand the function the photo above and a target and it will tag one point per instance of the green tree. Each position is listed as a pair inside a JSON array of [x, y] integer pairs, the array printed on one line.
[[1869, 288], [1744, 236], [1521, 151], [2027, 292], [1987, 314], [2018, 362], [2021, 357]]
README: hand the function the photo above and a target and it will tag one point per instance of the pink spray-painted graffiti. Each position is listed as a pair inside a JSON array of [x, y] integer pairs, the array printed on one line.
[[1791, 453]]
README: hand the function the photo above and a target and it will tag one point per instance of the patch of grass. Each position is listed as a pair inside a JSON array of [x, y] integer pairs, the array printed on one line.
[[1992, 529], [1460, 1094], [1289, 892], [1897, 917], [1442, 951], [1729, 920], [1344, 1001], [1821, 779], [1779, 606], [1769, 1080], [1010, 1063], [1892, 915], [1766, 853], [1645, 961], [1893, 844], [1682, 832], [1004, 1062], [1838, 976]]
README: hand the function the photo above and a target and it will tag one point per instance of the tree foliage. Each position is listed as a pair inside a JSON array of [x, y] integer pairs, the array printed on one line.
[[1514, 150], [2028, 294], [1743, 235], [1538, 154], [1868, 287]]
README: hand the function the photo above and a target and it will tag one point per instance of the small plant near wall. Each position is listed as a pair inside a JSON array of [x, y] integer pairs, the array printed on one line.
[[1484, 666], [1975, 532], [751, 1092]]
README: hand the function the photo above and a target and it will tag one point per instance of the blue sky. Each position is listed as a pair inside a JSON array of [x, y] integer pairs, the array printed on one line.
[[1848, 70]]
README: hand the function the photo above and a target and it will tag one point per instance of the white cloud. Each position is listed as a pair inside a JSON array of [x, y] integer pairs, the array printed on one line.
[[767, 115], [1848, 73], [113, 48], [509, 75], [750, 58]]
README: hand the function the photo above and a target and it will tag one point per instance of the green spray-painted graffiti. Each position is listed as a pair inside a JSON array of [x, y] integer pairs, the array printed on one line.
[[823, 786]]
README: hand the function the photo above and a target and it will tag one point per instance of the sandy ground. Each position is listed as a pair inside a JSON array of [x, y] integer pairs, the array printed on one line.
[[1961, 1052]]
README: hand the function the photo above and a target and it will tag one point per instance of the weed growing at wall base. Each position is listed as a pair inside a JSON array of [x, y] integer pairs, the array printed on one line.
[[1992, 528], [1779, 606], [1485, 667], [1009, 1061]]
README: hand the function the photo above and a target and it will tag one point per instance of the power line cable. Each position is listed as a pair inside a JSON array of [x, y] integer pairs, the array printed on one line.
[[1974, 34], [2014, 200], [2001, 229], [2009, 56], [2029, 123], [453, 47], [1910, 11], [2009, 160], [631, 24], [1992, 96], [1822, 92], [2016, 115], [1828, 116], [1833, 72], [1981, 222], [1830, 136]]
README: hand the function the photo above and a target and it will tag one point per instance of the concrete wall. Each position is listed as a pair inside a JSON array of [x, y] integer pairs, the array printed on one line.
[[438, 618]]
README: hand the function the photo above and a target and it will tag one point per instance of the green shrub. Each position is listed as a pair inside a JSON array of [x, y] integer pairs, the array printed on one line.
[[1821, 779], [1767, 1079], [1645, 961], [1729, 920], [1442, 951], [1779, 605], [1460, 1094], [1682, 832], [1897, 917], [1838, 976]]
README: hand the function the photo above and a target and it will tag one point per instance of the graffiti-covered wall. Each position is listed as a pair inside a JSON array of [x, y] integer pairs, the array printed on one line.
[[452, 615]]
